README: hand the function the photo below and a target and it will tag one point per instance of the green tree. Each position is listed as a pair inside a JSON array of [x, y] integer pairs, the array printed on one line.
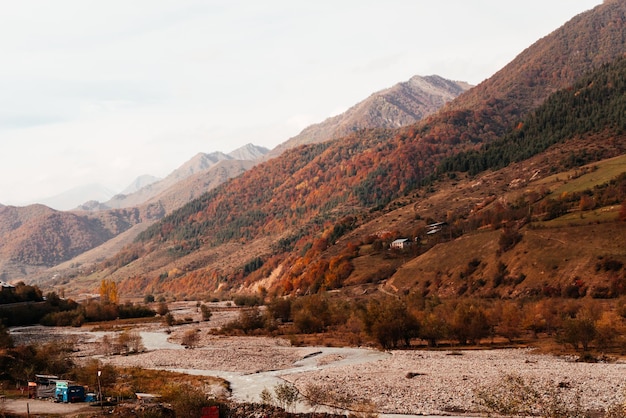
[[579, 332], [5, 338], [469, 323], [389, 321], [433, 328], [286, 395]]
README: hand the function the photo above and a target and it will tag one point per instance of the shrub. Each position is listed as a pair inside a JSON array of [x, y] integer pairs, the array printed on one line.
[[129, 342], [515, 396], [509, 239], [206, 312], [247, 300], [187, 400], [5, 338], [63, 319], [190, 338], [307, 323], [286, 395], [280, 309], [162, 309]]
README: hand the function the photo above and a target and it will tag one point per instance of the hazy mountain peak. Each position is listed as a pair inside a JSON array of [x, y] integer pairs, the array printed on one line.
[[248, 152], [199, 162], [140, 182], [78, 195]]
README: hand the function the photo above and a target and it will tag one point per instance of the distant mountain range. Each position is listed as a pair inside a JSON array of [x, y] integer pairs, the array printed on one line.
[[148, 199], [70, 199], [200, 163], [139, 183]]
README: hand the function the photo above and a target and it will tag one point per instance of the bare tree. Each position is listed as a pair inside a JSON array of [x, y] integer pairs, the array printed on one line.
[[190, 338], [130, 342]]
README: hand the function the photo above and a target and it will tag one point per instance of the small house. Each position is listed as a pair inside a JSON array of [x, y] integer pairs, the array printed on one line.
[[400, 244]]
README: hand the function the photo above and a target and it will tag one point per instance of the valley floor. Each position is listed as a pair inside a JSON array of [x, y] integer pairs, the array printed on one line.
[[396, 382]]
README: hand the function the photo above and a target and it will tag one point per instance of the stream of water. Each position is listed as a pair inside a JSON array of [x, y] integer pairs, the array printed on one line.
[[247, 387]]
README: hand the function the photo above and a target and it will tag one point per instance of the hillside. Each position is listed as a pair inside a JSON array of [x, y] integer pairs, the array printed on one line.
[[400, 105], [200, 174], [277, 224], [35, 237]]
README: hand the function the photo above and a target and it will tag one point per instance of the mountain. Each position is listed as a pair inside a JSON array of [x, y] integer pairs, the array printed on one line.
[[200, 163], [204, 171], [152, 199], [140, 182], [35, 237], [310, 218], [74, 197], [248, 152], [400, 105]]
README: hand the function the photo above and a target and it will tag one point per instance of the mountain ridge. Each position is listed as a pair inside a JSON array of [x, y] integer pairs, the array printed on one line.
[[313, 194], [199, 163], [201, 173], [396, 106]]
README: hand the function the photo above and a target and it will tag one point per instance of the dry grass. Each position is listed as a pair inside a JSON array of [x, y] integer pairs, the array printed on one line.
[[155, 381], [578, 218], [599, 173]]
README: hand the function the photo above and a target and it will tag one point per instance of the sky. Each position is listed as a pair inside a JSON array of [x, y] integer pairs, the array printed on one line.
[[105, 91]]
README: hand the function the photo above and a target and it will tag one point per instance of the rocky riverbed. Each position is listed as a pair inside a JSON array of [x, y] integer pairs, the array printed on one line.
[[420, 382]]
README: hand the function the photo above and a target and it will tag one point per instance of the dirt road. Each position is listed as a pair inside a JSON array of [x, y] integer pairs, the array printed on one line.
[[36, 406]]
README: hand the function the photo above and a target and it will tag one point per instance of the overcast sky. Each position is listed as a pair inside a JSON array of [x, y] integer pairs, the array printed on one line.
[[105, 91]]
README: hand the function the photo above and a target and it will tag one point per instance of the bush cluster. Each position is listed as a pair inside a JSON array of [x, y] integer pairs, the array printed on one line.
[[392, 322]]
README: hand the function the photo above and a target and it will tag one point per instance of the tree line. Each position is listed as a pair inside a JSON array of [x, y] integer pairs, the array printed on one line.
[[26, 305], [594, 104], [413, 321]]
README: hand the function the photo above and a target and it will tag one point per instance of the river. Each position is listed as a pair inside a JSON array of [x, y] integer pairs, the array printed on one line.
[[247, 387]]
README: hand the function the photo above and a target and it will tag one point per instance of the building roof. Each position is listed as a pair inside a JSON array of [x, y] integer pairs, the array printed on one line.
[[400, 240]]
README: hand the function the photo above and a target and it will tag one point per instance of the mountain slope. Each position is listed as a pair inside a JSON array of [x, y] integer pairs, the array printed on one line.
[[557, 60], [201, 173], [289, 212], [37, 236], [400, 105]]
